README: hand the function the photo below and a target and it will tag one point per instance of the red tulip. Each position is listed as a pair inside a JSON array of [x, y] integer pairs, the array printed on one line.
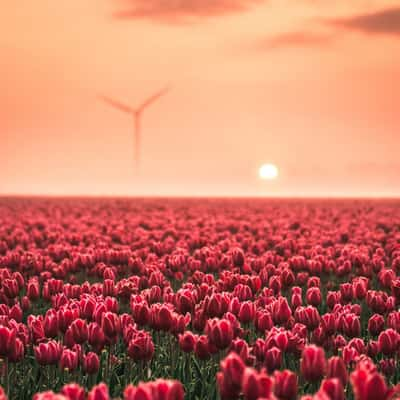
[[388, 366], [7, 340], [333, 388], [313, 296], [255, 384], [185, 301], [202, 348], [50, 324], [96, 336], [263, 321], [286, 385], [17, 352], [220, 332], [73, 391], [337, 369], [3, 396], [91, 363], [142, 392], [141, 347], [87, 305], [246, 312], [187, 341], [230, 378], [69, 360], [332, 298], [296, 300], [313, 363], [376, 324], [49, 395], [79, 331], [108, 288], [308, 316], [99, 392], [36, 328], [238, 257], [328, 323], [167, 389], [161, 317], [281, 311], [11, 288], [48, 353], [388, 342], [369, 385], [111, 325], [360, 286], [273, 359], [65, 318], [351, 325], [16, 313], [393, 321]]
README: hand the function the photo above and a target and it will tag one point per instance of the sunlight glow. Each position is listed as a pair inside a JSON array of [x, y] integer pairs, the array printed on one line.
[[268, 172]]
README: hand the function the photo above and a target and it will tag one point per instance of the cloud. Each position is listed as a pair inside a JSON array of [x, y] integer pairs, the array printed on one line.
[[295, 39], [182, 11], [385, 21], [380, 22]]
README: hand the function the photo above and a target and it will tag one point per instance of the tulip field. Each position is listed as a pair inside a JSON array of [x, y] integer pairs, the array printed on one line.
[[157, 299]]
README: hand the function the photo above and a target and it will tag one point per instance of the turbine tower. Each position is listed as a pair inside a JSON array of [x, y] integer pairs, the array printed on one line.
[[136, 112]]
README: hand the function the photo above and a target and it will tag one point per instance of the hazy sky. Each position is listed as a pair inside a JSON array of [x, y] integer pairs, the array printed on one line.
[[310, 85]]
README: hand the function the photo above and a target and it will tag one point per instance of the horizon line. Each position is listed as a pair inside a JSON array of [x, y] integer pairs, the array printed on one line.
[[200, 197]]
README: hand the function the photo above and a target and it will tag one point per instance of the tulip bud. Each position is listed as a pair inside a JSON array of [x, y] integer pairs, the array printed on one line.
[[48, 353], [16, 313], [376, 324], [273, 359], [388, 366], [313, 363], [337, 369], [368, 385], [229, 379], [256, 385], [238, 257], [286, 385], [96, 336], [111, 325], [69, 360], [187, 341], [3, 395], [281, 311], [246, 312], [91, 363], [99, 392], [220, 332], [263, 321], [7, 340], [202, 348], [79, 331], [333, 388], [388, 342], [313, 296], [73, 391], [141, 347]]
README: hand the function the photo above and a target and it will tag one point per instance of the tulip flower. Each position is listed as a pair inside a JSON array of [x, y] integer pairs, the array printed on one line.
[[91, 363], [286, 385], [220, 332], [313, 363], [256, 384]]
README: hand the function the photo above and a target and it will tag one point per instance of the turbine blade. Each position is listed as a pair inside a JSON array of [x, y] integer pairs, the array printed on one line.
[[116, 104], [152, 99]]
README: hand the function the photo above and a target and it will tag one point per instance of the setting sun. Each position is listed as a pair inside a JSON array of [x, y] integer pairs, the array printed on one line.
[[268, 172]]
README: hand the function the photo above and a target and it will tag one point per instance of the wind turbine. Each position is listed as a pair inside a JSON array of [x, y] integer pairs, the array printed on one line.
[[137, 115]]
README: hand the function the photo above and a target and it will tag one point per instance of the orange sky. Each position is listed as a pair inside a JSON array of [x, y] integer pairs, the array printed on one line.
[[310, 85]]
